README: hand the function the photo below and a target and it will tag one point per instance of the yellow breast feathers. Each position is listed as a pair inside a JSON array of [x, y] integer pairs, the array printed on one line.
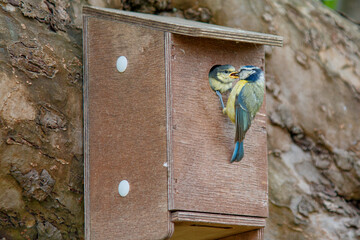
[[216, 85], [230, 105]]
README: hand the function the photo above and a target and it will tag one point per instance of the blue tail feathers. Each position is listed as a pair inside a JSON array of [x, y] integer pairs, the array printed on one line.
[[238, 152]]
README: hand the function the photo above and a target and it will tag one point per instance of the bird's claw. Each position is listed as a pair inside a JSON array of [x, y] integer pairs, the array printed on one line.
[[220, 97]]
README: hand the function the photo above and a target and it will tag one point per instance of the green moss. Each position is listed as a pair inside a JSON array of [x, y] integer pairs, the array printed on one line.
[[330, 3]]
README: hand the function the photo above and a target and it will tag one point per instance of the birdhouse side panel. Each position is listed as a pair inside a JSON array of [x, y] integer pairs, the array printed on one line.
[[125, 119], [202, 177]]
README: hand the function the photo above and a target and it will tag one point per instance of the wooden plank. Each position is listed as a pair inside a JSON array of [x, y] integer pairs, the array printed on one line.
[[125, 132], [86, 130], [203, 179], [251, 235], [192, 225], [168, 115], [185, 27], [181, 216], [193, 230]]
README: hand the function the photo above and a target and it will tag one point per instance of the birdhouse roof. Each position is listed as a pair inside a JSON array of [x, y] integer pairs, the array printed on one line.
[[185, 27]]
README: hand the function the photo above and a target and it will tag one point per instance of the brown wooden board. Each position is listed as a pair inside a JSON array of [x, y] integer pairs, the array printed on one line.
[[202, 177], [194, 225], [199, 217], [251, 235], [194, 230], [125, 132], [186, 27]]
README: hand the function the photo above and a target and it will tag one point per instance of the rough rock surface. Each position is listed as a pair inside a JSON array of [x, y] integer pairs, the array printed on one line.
[[41, 166]]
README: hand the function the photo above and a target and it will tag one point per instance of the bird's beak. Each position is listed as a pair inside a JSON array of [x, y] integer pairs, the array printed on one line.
[[234, 75]]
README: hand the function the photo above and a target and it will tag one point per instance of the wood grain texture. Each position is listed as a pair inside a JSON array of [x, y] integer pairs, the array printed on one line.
[[169, 142], [203, 179], [180, 216], [86, 130], [194, 230], [126, 132], [257, 234], [192, 225], [185, 27]]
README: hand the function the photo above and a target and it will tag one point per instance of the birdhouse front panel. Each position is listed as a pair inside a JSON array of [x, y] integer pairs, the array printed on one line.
[[125, 132], [203, 179]]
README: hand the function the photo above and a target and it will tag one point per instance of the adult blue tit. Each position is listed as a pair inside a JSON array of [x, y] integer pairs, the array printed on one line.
[[244, 102], [221, 78]]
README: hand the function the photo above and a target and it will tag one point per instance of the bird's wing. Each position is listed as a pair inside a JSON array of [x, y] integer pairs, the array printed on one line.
[[242, 117]]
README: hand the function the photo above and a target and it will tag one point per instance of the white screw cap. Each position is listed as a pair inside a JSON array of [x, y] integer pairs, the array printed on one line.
[[121, 63], [124, 188]]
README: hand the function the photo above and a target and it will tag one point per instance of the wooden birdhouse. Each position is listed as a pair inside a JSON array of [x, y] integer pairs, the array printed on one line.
[[155, 132]]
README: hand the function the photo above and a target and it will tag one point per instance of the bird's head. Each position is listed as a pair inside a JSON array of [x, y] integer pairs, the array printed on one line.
[[223, 73], [250, 73]]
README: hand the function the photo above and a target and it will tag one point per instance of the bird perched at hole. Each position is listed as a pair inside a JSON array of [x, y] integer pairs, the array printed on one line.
[[244, 102], [221, 78]]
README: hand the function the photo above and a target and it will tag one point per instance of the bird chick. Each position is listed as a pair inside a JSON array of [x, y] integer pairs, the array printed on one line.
[[244, 102], [221, 78]]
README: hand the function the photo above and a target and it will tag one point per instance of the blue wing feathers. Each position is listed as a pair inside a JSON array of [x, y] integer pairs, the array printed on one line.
[[242, 118], [242, 122]]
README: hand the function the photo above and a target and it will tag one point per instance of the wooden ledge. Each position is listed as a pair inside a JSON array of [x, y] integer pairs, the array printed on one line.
[[182, 216], [201, 226], [185, 27]]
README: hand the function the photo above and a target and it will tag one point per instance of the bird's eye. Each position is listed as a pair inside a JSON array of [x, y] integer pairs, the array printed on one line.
[[226, 71]]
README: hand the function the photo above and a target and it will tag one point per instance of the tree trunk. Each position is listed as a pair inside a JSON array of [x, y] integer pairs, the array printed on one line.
[[41, 173], [313, 107]]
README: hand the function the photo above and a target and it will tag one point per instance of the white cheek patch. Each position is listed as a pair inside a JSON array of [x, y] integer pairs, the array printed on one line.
[[244, 75]]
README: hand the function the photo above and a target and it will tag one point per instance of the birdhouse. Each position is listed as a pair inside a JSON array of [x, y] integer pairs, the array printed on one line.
[[157, 145]]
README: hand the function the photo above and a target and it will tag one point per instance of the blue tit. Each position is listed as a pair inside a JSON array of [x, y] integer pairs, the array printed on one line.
[[221, 78], [243, 103]]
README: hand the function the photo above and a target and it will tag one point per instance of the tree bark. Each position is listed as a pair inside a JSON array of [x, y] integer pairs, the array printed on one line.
[[313, 107], [41, 173]]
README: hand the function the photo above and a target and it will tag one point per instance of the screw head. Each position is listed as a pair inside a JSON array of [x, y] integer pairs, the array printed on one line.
[[121, 63], [124, 188]]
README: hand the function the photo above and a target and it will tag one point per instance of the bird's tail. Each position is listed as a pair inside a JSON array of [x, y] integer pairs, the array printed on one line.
[[238, 152]]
